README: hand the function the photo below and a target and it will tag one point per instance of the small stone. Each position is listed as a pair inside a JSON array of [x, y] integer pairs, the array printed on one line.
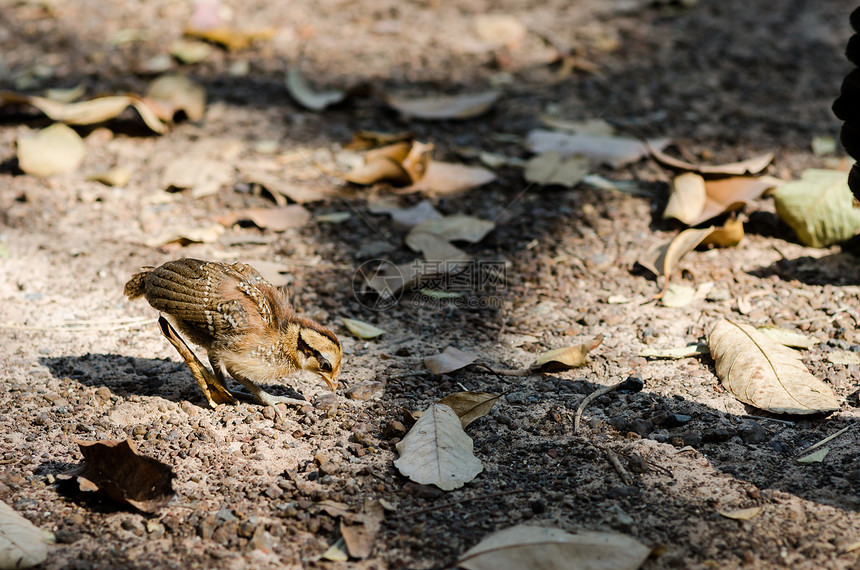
[[273, 492], [641, 426], [537, 506], [716, 435], [226, 532], [67, 536], [423, 491], [676, 420], [103, 393], [326, 402], [752, 432], [683, 439], [365, 391], [393, 429], [329, 468]]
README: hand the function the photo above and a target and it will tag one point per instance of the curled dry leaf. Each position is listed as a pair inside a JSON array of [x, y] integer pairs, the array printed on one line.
[[53, 150], [174, 93], [455, 228], [401, 163], [526, 546], [687, 199], [361, 329], [444, 107], [117, 470], [763, 373], [729, 234], [449, 360], [752, 165], [663, 257], [599, 149], [694, 200], [307, 97], [444, 178], [741, 514], [469, 406], [90, 112], [22, 544], [118, 176], [565, 358], [550, 168], [275, 219], [436, 451], [819, 207]]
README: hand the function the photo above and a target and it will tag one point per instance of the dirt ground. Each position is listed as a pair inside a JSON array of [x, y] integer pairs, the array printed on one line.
[[724, 80]]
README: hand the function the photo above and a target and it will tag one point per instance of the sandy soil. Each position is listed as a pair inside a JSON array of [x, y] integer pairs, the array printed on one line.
[[724, 80]]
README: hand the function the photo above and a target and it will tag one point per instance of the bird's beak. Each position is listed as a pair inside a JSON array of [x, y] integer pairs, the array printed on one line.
[[331, 380]]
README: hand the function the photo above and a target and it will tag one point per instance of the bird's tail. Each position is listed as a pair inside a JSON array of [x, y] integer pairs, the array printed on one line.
[[136, 286]]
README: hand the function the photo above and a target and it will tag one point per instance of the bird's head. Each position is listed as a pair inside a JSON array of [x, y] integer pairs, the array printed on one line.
[[319, 351]]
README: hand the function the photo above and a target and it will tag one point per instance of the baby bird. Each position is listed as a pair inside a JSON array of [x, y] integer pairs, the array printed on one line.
[[244, 322]]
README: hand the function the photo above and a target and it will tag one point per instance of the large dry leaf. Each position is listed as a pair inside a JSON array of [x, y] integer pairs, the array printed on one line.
[[818, 207], [174, 93], [116, 469], [687, 199], [53, 150], [436, 451], [444, 107], [763, 373], [449, 360], [454, 228], [542, 548], [662, 258], [752, 165], [307, 97], [361, 329], [447, 178], [599, 149], [550, 168], [566, 358], [22, 544], [275, 219], [469, 406], [90, 112]]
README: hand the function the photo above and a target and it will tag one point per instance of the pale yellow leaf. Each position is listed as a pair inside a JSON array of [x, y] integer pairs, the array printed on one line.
[[118, 176], [728, 235], [54, 150], [845, 357], [361, 329], [436, 451], [22, 544], [675, 353], [763, 373], [741, 514], [179, 93], [816, 456], [819, 207], [788, 337], [687, 199], [533, 547]]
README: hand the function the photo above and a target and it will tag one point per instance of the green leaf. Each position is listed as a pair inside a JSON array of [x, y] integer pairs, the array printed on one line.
[[819, 207]]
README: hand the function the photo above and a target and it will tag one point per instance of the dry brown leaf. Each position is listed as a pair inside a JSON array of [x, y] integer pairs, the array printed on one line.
[[566, 358], [599, 149], [269, 175], [469, 406], [443, 178], [184, 236], [53, 150], [454, 228], [382, 169], [275, 219], [174, 93], [542, 548], [189, 51], [444, 107], [201, 175], [729, 234], [22, 544], [361, 329], [229, 38], [436, 451], [752, 165], [299, 90], [449, 360], [687, 199], [763, 373], [662, 258], [359, 532], [741, 514], [550, 168], [418, 161], [362, 140], [729, 194], [116, 469], [438, 249]]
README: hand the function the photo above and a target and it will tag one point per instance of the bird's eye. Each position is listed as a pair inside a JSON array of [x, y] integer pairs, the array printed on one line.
[[325, 366]]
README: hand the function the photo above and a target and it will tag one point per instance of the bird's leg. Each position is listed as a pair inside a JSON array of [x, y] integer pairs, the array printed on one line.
[[264, 397], [211, 384]]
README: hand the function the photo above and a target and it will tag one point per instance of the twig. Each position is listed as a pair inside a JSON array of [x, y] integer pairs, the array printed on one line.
[[587, 400], [825, 440], [460, 501], [625, 475]]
